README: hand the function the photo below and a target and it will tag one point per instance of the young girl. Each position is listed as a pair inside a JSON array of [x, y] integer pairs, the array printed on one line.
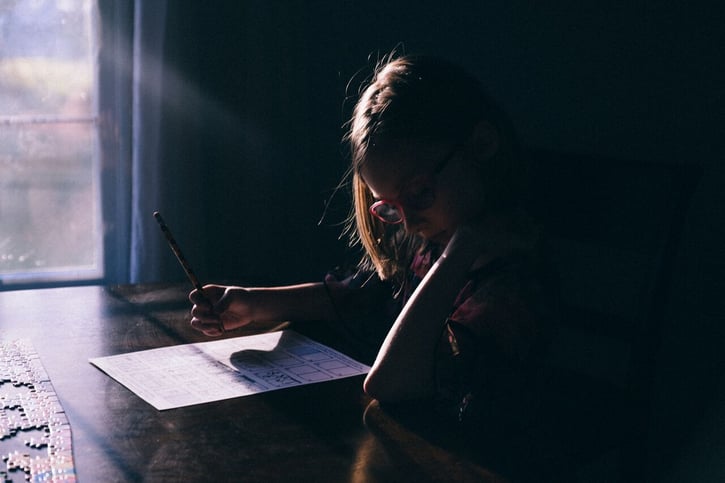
[[437, 185]]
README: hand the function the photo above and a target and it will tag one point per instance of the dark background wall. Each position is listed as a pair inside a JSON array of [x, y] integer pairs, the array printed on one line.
[[633, 80]]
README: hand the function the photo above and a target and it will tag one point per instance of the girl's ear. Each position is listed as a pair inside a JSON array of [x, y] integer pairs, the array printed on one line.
[[485, 139]]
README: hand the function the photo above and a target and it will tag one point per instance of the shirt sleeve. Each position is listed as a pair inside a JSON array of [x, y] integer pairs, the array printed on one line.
[[487, 360], [363, 322]]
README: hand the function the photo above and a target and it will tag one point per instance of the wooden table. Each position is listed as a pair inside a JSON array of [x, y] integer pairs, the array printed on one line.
[[309, 433]]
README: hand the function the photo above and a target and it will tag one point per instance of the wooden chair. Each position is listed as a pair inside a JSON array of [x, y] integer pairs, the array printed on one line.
[[613, 230]]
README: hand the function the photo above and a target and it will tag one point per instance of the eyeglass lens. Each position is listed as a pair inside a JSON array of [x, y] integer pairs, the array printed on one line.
[[387, 212]]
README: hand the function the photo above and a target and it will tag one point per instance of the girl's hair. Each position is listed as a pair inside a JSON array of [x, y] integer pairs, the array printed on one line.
[[420, 98]]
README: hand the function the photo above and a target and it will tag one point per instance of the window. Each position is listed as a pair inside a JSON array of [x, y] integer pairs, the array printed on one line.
[[50, 200]]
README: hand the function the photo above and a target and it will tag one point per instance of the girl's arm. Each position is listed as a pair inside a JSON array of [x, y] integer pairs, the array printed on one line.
[[236, 307], [404, 367]]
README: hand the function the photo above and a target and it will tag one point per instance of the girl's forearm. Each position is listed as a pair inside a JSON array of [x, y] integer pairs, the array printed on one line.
[[303, 302], [404, 367]]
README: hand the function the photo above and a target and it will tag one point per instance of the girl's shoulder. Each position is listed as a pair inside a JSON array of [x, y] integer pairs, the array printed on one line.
[[510, 302]]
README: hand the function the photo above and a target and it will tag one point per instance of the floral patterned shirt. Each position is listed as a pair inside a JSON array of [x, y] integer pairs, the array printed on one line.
[[490, 352]]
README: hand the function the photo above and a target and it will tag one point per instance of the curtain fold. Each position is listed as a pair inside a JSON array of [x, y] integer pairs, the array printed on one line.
[[150, 118], [165, 165], [146, 133]]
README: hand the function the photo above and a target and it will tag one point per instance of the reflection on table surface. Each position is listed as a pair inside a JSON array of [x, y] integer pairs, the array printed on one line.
[[319, 432]]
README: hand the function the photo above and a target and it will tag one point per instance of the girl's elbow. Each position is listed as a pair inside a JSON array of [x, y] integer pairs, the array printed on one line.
[[387, 391], [376, 389], [370, 387]]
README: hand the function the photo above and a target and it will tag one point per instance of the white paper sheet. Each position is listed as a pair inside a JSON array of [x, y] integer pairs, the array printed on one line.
[[184, 375]]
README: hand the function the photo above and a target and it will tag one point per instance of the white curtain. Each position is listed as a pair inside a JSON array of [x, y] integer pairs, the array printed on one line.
[[146, 133], [145, 171]]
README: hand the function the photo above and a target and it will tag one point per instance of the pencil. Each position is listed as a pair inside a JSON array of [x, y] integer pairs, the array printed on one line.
[[182, 260]]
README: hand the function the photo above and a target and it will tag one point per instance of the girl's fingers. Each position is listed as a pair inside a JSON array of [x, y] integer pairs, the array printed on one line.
[[212, 328]]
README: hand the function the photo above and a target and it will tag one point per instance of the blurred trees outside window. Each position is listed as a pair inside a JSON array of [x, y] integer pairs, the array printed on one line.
[[50, 200]]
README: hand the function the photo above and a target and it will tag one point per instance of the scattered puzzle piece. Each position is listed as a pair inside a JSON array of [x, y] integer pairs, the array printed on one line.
[[30, 411]]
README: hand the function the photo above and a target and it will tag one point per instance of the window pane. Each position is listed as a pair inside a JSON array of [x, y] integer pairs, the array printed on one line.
[[46, 58], [49, 195]]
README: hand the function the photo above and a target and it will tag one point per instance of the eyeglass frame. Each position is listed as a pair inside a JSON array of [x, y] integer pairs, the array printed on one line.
[[437, 170]]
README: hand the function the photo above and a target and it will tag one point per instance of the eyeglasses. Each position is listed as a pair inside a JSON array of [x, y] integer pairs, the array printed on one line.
[[418, 198]]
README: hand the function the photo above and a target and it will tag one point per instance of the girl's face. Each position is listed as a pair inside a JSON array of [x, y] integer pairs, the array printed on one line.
[[434, 187]]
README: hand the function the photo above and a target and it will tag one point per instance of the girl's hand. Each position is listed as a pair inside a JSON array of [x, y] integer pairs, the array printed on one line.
[[486, 238], [221, 308], [474, 242]]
